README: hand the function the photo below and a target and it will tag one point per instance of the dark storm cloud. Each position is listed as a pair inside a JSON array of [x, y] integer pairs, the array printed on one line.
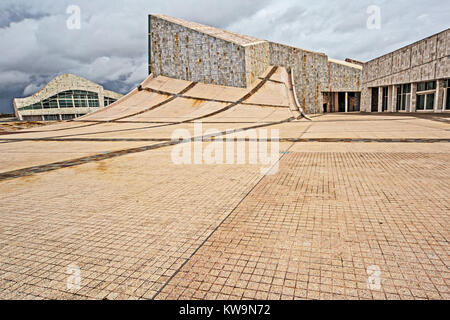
[[17, 14], [111, 46]]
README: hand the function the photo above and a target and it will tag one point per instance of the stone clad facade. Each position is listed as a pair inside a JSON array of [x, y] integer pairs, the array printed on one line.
[[190, 51], [309, 71], [197, 53], [427, 60]]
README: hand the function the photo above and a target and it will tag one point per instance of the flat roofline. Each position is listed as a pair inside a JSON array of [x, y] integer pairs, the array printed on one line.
[[409, 45]]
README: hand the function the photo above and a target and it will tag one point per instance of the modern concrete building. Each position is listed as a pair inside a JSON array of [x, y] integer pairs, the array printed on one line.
[[194, 52], [65, 97], [412, 79]]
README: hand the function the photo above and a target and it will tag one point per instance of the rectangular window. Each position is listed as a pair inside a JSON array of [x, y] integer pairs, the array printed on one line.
[[46, 104], [426, 86], [67, 116], [93, 103], [447, 94], [50, 104], [425, 101], [65, 103], [80, 103], [92, 95], [407, 88], [431, 85], [36, 106], [425, 95], [65, 95], [447, 105], [108, 101], [430, 101], [420, 102], [79, 95], [403, 96], [385, 98], [51, 117], [399, 98], [54, 104]]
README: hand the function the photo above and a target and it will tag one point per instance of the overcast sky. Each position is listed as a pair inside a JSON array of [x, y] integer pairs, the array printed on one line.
[[110, 48]]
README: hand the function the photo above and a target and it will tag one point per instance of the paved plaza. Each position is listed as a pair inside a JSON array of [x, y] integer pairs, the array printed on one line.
[[358, 208]]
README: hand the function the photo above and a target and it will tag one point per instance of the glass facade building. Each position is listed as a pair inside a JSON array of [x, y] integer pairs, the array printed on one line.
[[65, 98]]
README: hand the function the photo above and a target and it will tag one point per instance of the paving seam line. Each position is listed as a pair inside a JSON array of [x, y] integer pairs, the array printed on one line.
[[225, 219], [8, 175]]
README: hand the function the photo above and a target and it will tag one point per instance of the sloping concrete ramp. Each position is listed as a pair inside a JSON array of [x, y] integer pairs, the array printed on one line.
[[165, 100]]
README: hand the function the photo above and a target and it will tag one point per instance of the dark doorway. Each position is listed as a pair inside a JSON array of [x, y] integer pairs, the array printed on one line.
[[354, 100], [374, 100], [341, 102]]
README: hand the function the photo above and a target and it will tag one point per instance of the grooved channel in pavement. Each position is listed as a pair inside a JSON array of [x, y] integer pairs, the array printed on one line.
[[173, 97], [102, 156], [381, 140], [211, 99], [244, 98]]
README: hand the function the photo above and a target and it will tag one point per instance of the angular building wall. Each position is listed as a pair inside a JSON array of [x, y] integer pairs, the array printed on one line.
[[425, 60], [190, 51], [194, 52], [309, 71], [344, 76]]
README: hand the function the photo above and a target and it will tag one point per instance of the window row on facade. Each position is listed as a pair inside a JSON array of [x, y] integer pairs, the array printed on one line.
[[425, 95], [70, 99], [52, 117]]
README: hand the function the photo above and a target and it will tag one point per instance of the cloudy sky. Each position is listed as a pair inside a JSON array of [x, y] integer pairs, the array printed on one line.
[[110, 47]]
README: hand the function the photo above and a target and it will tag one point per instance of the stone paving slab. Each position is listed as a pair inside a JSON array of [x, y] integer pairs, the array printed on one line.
[[26, 154], [312, 230], [127, 222], [140, 227]]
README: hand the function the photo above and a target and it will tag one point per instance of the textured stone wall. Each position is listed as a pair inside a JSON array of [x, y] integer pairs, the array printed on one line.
[[314, 74], [183, 53], [344, 78], [428, 59], [189, 51], [310, 71], [366, 99], [257, 60]]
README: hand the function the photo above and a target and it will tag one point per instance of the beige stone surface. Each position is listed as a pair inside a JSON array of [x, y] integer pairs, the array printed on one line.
[[170, 85], [27, 154], [312, 230], [139, 226], [180, 109], [271, 93]]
